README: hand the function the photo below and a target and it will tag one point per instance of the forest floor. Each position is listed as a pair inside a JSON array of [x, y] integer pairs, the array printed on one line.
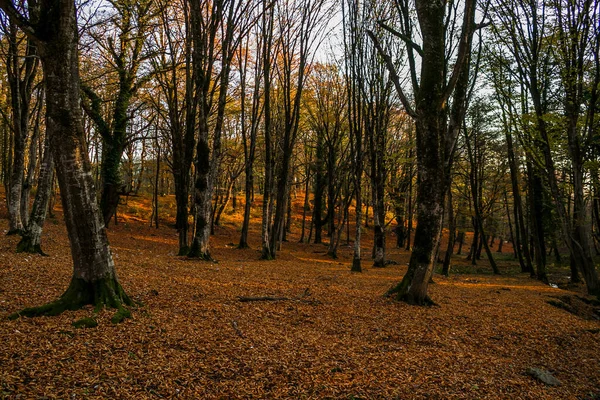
[[335, 336]]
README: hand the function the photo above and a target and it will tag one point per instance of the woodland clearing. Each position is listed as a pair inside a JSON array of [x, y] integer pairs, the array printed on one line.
[[329, 333]]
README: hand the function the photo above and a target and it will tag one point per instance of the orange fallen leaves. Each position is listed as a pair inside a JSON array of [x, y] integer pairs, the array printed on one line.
[[194, 339]]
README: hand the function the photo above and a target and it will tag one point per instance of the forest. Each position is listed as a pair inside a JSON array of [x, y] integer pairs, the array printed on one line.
[[308, 199]]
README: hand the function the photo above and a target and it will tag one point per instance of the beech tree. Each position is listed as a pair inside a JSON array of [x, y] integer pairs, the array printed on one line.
[[524, 27], [173, 74], [251, 60], [299, 26], [21, 63], [217, 28], [125, 53], [354, 42], [32, 234], [52, 25], [437, 124]]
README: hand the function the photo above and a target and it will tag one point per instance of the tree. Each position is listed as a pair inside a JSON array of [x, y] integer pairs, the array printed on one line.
[[325, 105], [174, 76], [53, 27], [354, 43], [21, 71], [436, 133], [299, 26], [250, 118], [217, 28], [126, 54], [524, 28], [32, 234]]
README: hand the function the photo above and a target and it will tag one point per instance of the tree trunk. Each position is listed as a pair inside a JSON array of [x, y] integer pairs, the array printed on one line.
[[537, 223], [461, 241], [32, 236], [203, 200], [31, 167], [21, 76], [451, 235], [94, 278], [225, 202]]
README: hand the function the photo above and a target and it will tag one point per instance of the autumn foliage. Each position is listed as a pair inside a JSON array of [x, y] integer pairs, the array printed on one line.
[[312, 328]]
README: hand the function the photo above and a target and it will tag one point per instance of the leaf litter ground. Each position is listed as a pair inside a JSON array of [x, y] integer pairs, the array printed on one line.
[[330, 334]]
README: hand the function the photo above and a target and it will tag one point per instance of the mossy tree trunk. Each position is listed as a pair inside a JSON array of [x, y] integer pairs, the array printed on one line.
[[131, 23], [94, 279], [436, 134]]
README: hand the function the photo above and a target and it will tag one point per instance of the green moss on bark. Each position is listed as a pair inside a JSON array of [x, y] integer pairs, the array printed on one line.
[[26, 245], [87, 322]]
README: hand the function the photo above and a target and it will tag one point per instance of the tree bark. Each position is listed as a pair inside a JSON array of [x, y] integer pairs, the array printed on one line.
[[32, 236], [435, 139], [21, 76], [94, 278]]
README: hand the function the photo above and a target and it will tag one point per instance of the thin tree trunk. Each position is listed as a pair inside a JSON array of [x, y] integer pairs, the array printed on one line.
[[451, 235], [32, 236]]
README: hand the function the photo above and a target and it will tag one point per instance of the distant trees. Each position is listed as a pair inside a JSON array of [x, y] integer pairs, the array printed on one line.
[[553, 54], [21, 62], [177, 105], [124, 51], [217, 29]]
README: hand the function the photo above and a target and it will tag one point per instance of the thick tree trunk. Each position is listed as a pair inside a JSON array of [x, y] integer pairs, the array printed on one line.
[[537, 224], [94, 278], [435, 140]]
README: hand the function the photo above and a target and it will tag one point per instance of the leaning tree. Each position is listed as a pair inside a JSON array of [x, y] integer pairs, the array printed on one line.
[[52, 24]]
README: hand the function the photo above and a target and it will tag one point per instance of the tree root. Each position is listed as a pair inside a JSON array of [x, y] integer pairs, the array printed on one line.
[[196, 253], [106, 292], [27, 246], [184, 251], [266, 256], [399, 292]]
